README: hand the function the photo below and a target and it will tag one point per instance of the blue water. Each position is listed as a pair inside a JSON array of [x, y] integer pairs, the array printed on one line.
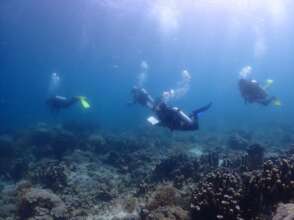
[[97, 47]]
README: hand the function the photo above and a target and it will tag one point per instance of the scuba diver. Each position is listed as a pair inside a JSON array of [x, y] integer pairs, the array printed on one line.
[[252, 92], [175, 119], [167, 116], [57, 103], [142, 97]]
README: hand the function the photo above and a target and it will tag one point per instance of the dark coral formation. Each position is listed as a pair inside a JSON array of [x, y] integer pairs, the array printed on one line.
[[178, 168], [225, 195], [255, 156], [210, 160], [217, 197], [238, 162], [241, 161], [275, 183]]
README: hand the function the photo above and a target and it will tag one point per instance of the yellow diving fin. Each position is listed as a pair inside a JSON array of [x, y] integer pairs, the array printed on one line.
[[84, 102], [277, 102], [268, 84]]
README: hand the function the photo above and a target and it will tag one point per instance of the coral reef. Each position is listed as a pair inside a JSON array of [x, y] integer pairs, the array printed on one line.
[[255, 156], [275, 183], [72, 171], [12, 164], [97, 143], [284, 212], [50, 142], [210, 160], [8, 201], [217, 197], [226, 195], [166, 213], [236, 161], [178, 168], [165, 203], [237, 142], [252, 160], [41, 204], [51, 174]]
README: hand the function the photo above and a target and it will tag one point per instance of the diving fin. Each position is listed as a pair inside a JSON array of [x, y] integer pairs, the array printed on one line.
[[268, 84], [84, 102], [152, 120]]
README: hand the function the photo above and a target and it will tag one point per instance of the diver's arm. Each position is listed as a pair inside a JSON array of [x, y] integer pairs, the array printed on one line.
[[267, 101]]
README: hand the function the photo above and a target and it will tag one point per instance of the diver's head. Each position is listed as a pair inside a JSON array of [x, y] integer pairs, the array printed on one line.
[[161, 105]]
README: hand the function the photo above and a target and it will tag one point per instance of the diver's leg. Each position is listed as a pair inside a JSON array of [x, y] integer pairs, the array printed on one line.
[[268, 101], [71, 101], [202, 109]]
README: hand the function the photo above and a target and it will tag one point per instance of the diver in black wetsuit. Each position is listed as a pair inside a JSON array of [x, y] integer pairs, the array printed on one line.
[[175, 119], [252, 92], [167, 116], [57, 103], [142, 97]]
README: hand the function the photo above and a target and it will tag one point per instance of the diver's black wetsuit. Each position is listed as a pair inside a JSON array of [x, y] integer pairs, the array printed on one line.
[[142, 97], [252, 92], [175, 119], [57, 103], [170, 117]]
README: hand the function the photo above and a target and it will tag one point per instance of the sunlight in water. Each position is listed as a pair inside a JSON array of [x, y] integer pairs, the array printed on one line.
[[169, 12], [171, 15]]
